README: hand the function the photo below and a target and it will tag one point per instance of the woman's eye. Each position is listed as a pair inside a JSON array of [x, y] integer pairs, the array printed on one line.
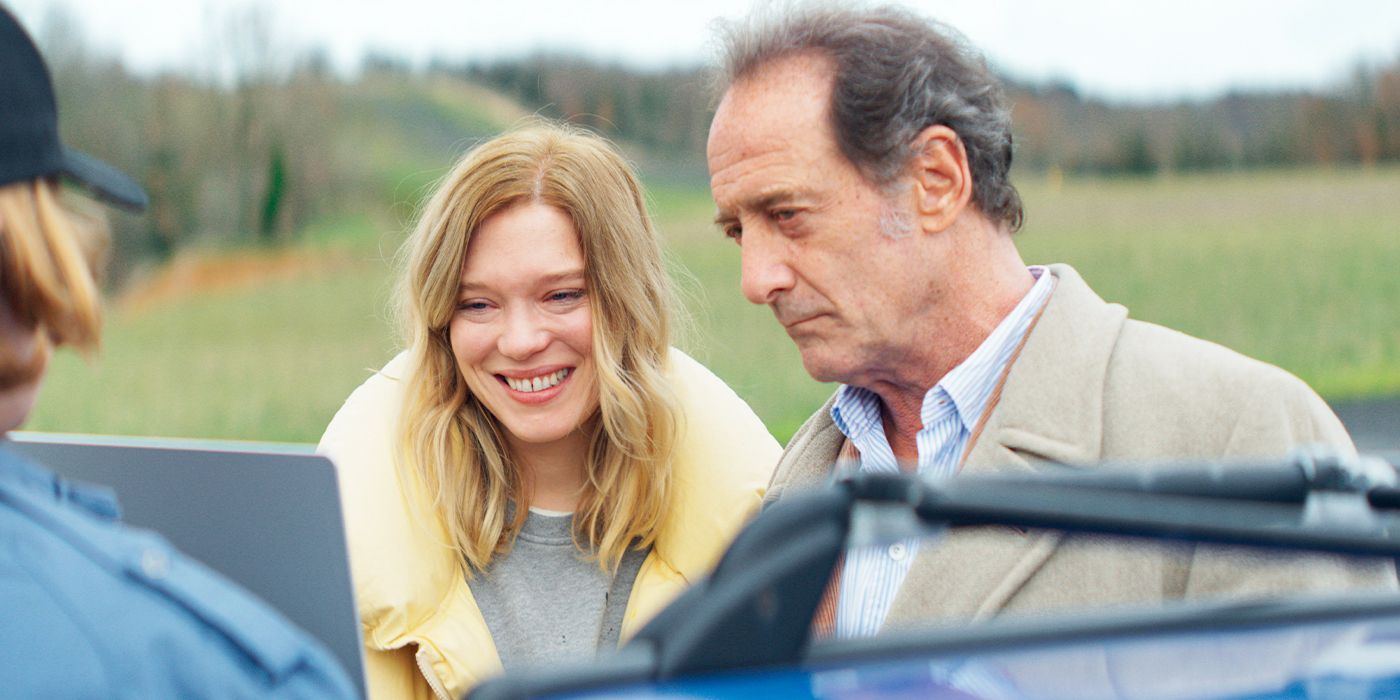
[[473, 306], [566, 296]]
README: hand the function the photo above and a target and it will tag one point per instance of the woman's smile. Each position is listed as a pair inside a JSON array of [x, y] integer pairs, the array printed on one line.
[[538, 388]]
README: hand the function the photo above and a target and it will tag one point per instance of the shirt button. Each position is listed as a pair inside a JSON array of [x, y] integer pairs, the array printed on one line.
[[155, 564], [897, 551]]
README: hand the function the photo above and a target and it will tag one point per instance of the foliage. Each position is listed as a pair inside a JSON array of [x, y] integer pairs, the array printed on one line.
[[262, 141], [213, 336], [1057, 128], [663, 111]]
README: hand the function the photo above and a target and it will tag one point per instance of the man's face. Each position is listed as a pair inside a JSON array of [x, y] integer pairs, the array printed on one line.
[[810, 225]]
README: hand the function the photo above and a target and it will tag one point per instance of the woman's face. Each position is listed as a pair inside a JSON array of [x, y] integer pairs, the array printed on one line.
[[522, 331]]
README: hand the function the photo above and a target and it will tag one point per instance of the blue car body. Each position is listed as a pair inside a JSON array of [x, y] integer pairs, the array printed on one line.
[[1305, 649], [746, 631]]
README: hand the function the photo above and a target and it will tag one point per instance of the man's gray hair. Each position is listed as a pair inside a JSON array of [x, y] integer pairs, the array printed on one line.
[[896, 74]]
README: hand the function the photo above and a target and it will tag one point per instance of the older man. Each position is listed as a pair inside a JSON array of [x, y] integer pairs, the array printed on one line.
[[861, 160]]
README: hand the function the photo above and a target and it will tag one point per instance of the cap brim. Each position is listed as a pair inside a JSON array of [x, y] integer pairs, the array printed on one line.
[[103, 180]]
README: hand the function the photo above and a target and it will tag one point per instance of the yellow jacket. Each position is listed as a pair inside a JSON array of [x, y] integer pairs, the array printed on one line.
[[424, 634]]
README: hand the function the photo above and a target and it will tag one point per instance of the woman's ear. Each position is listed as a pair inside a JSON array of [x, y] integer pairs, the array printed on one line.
[[942, 177]]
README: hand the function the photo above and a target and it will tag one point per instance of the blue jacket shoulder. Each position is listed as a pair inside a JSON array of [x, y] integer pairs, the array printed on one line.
[[94, 608]]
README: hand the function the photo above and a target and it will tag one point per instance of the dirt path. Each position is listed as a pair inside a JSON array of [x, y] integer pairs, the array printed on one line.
[[194, 273]]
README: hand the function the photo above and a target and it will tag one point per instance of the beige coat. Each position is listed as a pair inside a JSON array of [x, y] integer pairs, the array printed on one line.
[[1092, 385], [424, 634]]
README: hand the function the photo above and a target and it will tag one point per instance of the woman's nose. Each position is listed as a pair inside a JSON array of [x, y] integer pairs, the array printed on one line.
[[523, 335]]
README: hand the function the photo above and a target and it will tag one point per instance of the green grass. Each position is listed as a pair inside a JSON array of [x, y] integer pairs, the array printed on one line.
[[265, 361], [1297, 268]]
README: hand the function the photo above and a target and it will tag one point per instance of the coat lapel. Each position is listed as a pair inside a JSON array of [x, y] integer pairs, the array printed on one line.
[[808, 459], [1050, 411]]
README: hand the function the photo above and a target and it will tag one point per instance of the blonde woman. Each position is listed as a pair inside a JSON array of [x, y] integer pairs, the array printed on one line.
[[539, 472]]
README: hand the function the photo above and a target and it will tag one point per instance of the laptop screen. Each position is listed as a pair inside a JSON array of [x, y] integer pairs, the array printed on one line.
[[265, 516]]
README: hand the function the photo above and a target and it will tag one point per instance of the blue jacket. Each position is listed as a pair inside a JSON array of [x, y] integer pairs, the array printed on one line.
[[95, 609]]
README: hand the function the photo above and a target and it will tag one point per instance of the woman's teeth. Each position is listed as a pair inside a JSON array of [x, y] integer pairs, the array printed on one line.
[[537, 383]]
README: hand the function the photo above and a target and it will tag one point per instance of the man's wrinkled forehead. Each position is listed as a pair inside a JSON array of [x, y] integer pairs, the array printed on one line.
[[778, 106], [788, 76]]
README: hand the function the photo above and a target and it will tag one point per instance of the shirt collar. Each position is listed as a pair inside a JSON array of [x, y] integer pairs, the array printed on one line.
[[856, 411], [970, 385], [20, 474]]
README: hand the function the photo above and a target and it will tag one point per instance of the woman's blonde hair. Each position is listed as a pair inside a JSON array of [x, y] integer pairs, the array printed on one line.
[[449, 440], [48, 255]]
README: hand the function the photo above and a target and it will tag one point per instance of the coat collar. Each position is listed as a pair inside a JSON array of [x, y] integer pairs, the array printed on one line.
[[810, 454], [974, 573], [1037, 419], [409, 586], [1050, 410]]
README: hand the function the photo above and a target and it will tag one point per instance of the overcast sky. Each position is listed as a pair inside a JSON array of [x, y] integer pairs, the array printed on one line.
[[1123, 49]]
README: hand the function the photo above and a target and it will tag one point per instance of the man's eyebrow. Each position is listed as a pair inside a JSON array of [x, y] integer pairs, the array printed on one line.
[[762, 201]]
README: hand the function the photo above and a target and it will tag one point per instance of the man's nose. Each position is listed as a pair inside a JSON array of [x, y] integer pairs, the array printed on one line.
[[765, 271], [523, 335]]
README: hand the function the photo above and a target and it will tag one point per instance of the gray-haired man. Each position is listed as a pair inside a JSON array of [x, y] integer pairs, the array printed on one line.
[[861, 159]]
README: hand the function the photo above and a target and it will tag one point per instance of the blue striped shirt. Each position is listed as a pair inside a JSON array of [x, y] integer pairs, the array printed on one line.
[[871, 575]]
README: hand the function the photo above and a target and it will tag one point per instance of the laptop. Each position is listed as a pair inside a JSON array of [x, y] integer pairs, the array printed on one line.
[[266, 516]]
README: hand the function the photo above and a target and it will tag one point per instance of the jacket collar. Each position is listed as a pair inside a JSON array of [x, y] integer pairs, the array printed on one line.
[[410, 588], [975, 573], [810, 455], [1038, 419]]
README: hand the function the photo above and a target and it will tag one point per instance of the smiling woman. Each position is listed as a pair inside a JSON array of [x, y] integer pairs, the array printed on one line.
[[539, 472], [523, 336]]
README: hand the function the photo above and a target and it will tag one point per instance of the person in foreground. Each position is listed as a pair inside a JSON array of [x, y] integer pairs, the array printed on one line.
[[539, 472], [861, 159], [94, 609]]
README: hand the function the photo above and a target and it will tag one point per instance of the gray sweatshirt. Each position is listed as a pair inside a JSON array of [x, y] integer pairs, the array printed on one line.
[[545, 601]]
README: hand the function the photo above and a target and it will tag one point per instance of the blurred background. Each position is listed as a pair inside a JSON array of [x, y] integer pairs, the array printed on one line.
[[1230, 169]]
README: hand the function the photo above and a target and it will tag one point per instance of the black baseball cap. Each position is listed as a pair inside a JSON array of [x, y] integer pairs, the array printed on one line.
[[29, 143]]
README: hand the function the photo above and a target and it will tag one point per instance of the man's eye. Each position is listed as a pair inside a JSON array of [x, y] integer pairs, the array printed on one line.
[[785, 214], [734, 233]]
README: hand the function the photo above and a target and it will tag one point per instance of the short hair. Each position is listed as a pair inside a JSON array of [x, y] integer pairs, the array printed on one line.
[[49, 256], [449, 439], [896, 74]]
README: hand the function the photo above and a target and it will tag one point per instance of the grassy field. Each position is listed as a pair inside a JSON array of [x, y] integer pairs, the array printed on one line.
[[1298, 268]]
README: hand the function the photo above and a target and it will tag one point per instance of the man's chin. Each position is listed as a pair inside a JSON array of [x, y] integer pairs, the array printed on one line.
[[822, 366]]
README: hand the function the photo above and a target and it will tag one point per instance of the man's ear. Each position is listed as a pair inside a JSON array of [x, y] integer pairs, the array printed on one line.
[[942, 177]]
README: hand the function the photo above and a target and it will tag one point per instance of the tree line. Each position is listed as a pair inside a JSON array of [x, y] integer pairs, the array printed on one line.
[[249, 159], [1356, 122], [251, 155]]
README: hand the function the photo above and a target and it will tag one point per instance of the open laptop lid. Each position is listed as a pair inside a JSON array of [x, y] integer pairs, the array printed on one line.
[[266, 516]]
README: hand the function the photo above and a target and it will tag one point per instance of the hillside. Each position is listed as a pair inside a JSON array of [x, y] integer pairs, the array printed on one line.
[[232, 335]]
